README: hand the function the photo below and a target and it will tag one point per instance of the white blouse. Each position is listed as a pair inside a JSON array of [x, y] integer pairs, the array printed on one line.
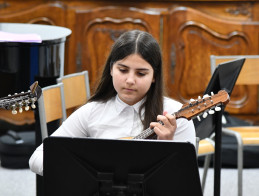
[[113, 119]]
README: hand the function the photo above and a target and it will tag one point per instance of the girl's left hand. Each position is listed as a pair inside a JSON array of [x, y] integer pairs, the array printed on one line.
[[167, 130]]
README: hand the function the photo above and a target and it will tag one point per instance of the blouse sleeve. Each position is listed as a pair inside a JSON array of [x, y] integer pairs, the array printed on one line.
[[185, 130], [74, 126]]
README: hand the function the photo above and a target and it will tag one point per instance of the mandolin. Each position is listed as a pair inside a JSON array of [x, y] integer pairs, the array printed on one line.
[[201, 106], [22, 100]]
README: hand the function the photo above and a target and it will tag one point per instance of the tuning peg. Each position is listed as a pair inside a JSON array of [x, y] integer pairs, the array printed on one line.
[[33, 106], [205, 114], [212, 93], [198, 117], [217, 108], [211, 111], [199, 97], [20, 107], [26, 107], [20, 110], [224, 120], [192, 100], [205, 96], [14, 109]]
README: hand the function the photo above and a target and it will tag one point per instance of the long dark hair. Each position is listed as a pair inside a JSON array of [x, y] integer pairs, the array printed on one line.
[[143, 44]]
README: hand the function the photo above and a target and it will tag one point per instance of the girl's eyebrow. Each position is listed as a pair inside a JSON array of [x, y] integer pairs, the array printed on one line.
[[122, 65], [139, 69]]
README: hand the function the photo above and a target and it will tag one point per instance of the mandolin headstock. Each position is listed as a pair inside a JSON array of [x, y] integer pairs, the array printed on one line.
[[22, 101], [206, 105]]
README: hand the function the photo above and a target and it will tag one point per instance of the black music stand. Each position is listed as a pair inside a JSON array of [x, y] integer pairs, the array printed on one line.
[[88, 166], [224, 78]]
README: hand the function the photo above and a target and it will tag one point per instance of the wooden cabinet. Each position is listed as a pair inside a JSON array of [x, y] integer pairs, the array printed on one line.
[[100, 27], [188, 32], [34, 12], [192, 36]]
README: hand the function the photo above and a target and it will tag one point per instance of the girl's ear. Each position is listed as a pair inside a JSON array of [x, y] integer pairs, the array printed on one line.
[[153, 81], [111, 72], [111, 68]]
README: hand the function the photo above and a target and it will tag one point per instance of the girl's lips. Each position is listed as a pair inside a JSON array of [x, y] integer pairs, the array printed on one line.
[[129, 89]]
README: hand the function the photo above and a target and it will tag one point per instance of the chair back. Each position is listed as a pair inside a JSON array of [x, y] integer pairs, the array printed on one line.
[[250, 71], [51, 106], [76, 89]]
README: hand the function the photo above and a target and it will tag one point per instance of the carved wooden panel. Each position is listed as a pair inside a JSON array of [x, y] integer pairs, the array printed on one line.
[[189, 32], [244, 95], [34, 13], [100, 27], [192, 37]]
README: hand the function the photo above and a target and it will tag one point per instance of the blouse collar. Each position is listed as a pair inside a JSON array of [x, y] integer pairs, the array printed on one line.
[[120, 105]]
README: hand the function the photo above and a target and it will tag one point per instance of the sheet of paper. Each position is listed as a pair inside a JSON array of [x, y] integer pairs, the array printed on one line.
[[15, 37]]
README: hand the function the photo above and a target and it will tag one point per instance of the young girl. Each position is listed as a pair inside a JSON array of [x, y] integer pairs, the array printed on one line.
[[128, 99]]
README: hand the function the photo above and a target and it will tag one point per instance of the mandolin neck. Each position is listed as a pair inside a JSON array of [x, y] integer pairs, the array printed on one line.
[[193, 109], [150, 133]]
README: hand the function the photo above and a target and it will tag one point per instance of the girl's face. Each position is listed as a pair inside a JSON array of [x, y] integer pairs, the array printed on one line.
[[132, 78]]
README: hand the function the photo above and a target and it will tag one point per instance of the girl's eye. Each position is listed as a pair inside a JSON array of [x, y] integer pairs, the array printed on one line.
[[123, 70], [141, 74]]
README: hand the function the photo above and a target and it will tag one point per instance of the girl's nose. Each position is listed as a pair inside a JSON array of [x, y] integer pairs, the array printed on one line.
[[130, 78]]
